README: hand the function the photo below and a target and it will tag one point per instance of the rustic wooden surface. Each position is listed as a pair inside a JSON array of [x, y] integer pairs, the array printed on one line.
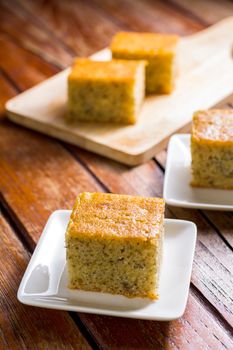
[[38, 175]]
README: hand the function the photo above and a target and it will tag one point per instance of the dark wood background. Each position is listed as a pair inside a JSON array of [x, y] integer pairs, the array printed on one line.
[[39, 175]]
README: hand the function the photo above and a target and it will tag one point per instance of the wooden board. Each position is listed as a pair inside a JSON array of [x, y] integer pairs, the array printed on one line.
[[205, 78]]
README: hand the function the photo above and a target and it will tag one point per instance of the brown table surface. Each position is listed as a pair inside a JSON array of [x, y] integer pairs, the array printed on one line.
[[39, 175]]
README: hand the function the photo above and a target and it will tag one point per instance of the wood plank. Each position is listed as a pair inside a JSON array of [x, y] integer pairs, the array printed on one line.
[[45, 43], [18, 70], [189, 332], [24, 327], [47, 171], [6, 91], [222, 221], [203, 57], [35, 191], [78, 25], [206, 12]]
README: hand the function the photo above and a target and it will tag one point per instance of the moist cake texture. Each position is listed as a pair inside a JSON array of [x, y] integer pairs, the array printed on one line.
[[159, 50], [212, 149], [114, 244], [111, 91]]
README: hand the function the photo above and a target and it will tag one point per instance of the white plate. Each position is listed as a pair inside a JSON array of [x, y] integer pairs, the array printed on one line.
[[177, 190], [45, 281]]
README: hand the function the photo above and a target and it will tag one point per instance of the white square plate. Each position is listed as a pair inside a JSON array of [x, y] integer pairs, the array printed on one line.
[[45, 281], [177, 190]]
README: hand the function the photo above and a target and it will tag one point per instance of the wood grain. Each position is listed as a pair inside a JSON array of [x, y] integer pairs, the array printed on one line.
[[45, 43], [157, 16], [18, 71], [205, 12], [48, 173], [6, 91], [200, 332], [222, 221], [24, 327], [69, 21]]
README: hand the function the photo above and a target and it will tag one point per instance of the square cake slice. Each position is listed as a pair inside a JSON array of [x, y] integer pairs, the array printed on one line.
[[111, 91], [114, 244], [212, 149], [159, 50]]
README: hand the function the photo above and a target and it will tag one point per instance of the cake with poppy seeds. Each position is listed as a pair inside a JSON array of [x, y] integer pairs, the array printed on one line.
[[212, 149], [114, 244]]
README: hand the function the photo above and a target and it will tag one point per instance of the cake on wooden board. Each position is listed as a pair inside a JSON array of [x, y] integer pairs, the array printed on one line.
[[159, 50], [114, 244], [111, 91], [212, 149]]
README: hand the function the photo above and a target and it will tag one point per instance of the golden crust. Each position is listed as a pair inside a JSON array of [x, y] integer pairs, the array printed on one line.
[[213, 126], [145, 44], [114, 70], [116, 216]]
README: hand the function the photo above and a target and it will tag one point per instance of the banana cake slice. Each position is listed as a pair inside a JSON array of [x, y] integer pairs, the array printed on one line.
[[114, 244], [111, 91], [212, 149], [159, 50]]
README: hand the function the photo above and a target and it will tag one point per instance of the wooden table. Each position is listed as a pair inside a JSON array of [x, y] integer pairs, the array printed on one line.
[[39, 175]]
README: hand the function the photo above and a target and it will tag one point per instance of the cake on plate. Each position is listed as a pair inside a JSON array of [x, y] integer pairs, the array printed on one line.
[[212, 149], [114, 244]]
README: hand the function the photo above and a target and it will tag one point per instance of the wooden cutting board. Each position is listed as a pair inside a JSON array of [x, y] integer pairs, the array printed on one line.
[[205, 78]]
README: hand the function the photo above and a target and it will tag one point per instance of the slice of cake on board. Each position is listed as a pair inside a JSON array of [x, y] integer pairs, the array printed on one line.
[[108, 91]]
